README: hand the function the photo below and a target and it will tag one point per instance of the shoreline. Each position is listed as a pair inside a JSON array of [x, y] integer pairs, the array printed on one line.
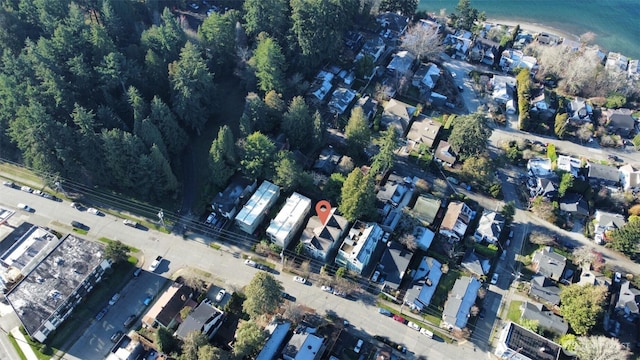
[[535, 28]]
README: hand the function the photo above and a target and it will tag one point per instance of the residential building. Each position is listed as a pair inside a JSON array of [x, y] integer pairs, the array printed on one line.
[[397, 114], [616, 61], [341, 99], [226, 202], [304, 345], [545, 187], [504, 88], [591, 277], [620, 122], [546, 319], [205, 318], [476, 264], [373, 47], [456, 219], [322, 85], [512, 59], [543, 289], [490, 226], [579, 110], [569, 164], [628, 301], [605, 222], [327, 161], [353, 40], [359, 245], [394, 190], [603, 174], [426, 208], [253, 212], [126, 349], [393, 25], [459, 42], [288, 221], [633, 71], [423, 133], [401, 63], [548, 263], [539, 167], [165, 311], [424, 237], [458, 306], [629, 177], [321, 239], [393, 265], [445, 154], [548, 39], [575, 204], [57, 283], [425, 282], [426, 77], [369, 107], [518, 343], [484, 51], [277, 333]]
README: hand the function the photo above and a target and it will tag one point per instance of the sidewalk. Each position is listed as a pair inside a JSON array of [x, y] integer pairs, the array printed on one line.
[[22, 343]]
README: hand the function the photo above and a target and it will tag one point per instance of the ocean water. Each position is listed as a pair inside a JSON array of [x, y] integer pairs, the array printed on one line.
[[616, 23]]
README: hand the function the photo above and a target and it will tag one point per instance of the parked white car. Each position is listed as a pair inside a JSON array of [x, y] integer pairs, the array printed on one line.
[[326, 288], [24, 207], [300, 279], [221, 295], [251, 263], [414, 326], [426, 333], [114, 299], [93, 211]]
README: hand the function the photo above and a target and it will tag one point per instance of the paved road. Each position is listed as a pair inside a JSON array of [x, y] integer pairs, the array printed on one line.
[[227, 266]]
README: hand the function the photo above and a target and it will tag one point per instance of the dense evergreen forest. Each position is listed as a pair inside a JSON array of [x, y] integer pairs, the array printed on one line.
[[110, 92]]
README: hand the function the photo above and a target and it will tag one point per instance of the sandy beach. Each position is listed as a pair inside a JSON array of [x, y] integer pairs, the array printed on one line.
[[535, 28]]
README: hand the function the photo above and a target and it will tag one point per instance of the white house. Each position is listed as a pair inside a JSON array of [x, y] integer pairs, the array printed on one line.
[[254, 210], [629, 177], [358, 247], [490, 227], [289, 219]]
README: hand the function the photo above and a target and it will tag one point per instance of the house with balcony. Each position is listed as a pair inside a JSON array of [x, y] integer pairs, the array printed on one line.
[[205, 318], [490, 227], [321, 239], [226, 203], [616, 61], [359, 245], [456, 220], [286, 224]]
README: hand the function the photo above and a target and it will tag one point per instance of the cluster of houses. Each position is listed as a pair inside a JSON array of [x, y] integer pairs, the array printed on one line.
[[544, 182]]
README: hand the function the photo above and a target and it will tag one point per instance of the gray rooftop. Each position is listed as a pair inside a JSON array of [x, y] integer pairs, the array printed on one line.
[[425, 281], [476, 264], [629, 298], [543, 289], [461, 299], [546, 319], [196, 320], [604, 172], [50, 283], [549, 263], [395, 261]]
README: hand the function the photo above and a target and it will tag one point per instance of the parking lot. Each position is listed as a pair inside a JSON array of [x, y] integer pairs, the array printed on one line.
[[95, 343]]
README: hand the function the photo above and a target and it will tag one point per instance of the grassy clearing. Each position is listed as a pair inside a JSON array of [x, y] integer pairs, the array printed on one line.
[[21, 173], [107, 241], [80, 231], [514, 311], [215, 246]]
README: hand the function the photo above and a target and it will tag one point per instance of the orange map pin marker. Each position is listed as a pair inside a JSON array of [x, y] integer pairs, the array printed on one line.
[[323, 209]]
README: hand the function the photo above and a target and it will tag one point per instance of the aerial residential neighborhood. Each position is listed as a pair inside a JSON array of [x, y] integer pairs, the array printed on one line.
[[313, 180]]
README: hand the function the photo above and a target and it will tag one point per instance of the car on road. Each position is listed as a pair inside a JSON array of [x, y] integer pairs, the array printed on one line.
[[102, 313], [375, 276], [249, 262], [8, 183], [221, 295], [154, 265], [339, 293], [414, 326], [130, 320], [93, 211], [300, 279], [494, 279], [79, 225], [326, 288], [26, 189], [116, 336], [147, 300], [130, 223], [287, 296], [426, 333], [24, 207], [614, 158], [114, 299], [385, 312], [399, 318]]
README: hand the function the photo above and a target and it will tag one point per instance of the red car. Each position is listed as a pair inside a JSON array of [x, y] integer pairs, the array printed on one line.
[[399, 318]]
